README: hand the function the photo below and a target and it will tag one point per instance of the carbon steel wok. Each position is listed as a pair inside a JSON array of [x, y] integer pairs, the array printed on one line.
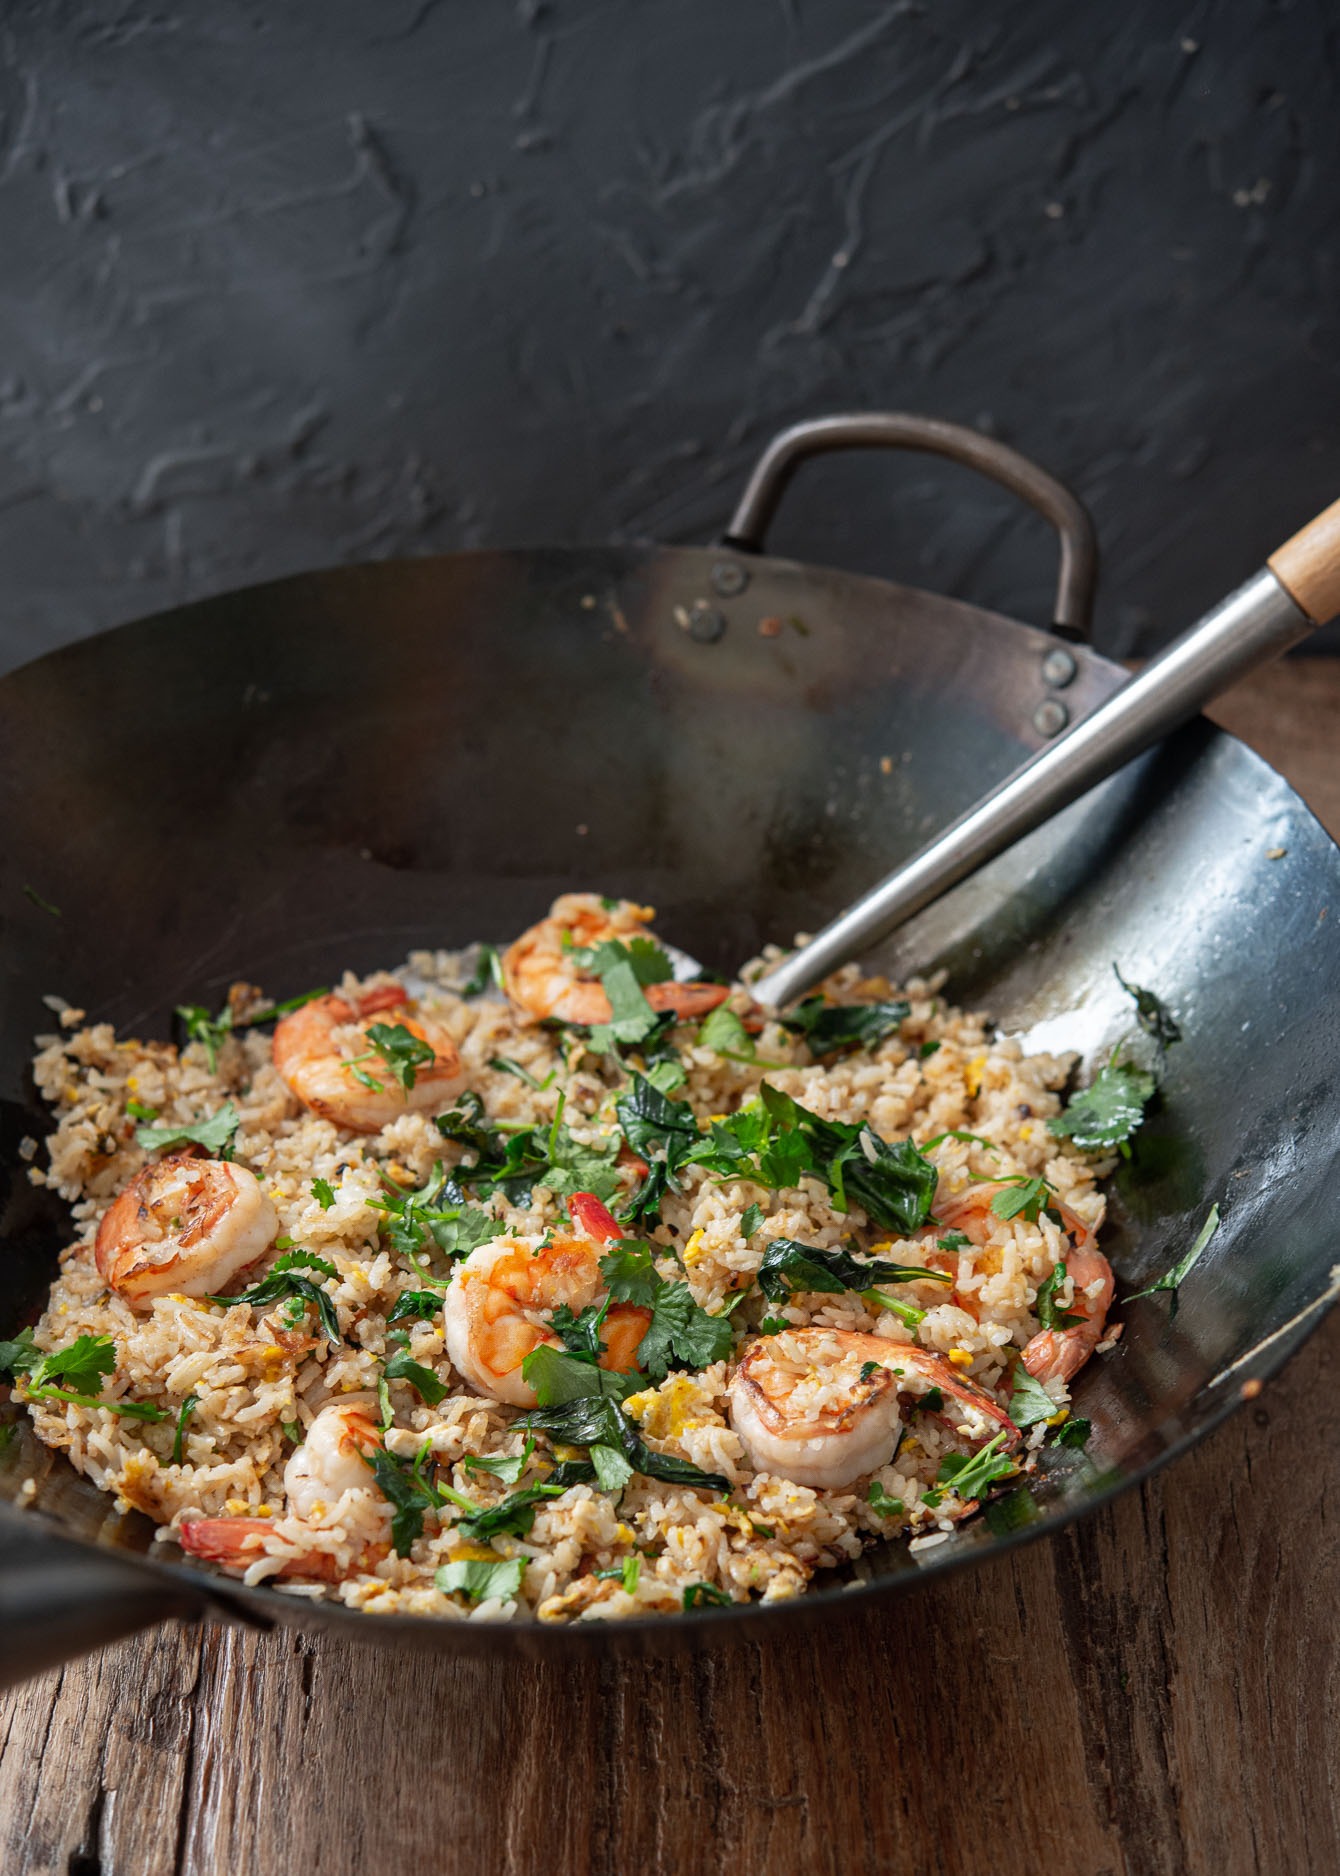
[[332, 769]]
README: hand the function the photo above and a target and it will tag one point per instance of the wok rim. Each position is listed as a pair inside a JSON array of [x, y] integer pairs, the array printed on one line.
[[261, 1606]]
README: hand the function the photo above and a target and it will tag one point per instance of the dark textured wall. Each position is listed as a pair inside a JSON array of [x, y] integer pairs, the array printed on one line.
[[292, 284]]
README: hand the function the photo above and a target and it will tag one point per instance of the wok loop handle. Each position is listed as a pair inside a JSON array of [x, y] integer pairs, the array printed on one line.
[[903, 430]]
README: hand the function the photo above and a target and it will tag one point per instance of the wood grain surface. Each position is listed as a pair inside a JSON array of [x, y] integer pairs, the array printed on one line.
[[1155, 1691]]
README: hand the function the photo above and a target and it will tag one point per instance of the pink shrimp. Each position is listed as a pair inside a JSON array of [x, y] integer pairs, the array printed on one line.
[[542, 980], [322, 1052], [1052, 1354]]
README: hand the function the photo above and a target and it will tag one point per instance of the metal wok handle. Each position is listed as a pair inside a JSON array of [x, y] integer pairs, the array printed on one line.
[[60, 1599], [1298, 590], [901, 430]]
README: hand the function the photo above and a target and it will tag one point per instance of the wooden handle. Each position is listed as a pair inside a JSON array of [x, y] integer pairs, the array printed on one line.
[[1308, 566]]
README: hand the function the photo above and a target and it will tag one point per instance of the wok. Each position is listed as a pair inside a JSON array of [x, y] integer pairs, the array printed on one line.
[[332, 769]]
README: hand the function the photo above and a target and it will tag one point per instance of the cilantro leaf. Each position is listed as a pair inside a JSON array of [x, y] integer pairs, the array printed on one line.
[[559, 1377], [726, 1034], [479, 1581], [828, 1027], [969, 1476], [1172, 1279], [303, 1260], [580, 1334], [789, 1266], [1030, 1402], [1152, 1014], [402, 1367], [19, 1356], [630, 1274], [324, 1193], [632, 1018], [645, 958], [88, 1358], [681, 1333], [505, 1467], [577, 1167], [214, 1134], [403, 1052], [882, 1504], [1109, 1110], [412, 1219], [612, 1470]]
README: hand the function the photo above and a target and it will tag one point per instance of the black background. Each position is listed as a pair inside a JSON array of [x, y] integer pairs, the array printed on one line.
[[290, 285]]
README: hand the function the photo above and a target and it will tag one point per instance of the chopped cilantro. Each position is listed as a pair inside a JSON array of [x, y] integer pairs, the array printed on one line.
[[188, 1407], [725, 1034], [137, 1110], [411, 1220], [630, 1274], [213, 1031], [646, 960], [954, 1241], [682, 1334], [507, 1469], [1172, 1279], [1030, 1402], [403, 1052], [789, 1266], [880, 1502], [528, 1156], [706, 1595], [611, 1468], [829, 1027], [931, 1402], [960, 1133], [773, 1325], [558, 1377], [868, 1368], [18, 1356], [928, 1049], [1109, 1110], [479, 1581], [88, 1358], [214, 1134], [580, 1334], [631, 1018], [1152, 1014], [324, 1193], [401, 1367], [968, 1476], [750, 1220]]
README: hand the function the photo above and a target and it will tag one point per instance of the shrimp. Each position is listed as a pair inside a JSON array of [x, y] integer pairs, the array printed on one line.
[[543, 981], [502, 1295], [328, 1465], [183, 1225], [1052, 1354], [323, 1053], [822, 1406]]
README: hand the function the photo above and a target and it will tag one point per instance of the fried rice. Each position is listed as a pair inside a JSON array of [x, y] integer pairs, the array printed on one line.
[[238, 1384]]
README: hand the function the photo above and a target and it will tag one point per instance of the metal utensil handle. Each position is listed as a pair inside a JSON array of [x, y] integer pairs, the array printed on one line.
[[902, 430], [1277, 607]]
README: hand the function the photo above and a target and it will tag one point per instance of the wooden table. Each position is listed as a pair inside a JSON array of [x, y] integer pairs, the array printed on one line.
[[1154, 1691]]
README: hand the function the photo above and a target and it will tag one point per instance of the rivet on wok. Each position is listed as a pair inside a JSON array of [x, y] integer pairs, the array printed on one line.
[[1058, 667], [729, 578], [1050, 717], [706, 624]]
